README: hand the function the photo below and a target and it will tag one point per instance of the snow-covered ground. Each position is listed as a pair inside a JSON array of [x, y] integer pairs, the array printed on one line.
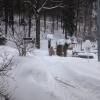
[[39, 76]]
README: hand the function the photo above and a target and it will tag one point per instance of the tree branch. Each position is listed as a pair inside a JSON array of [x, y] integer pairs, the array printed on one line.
[[49, 8], [57, 1], [42, 6]]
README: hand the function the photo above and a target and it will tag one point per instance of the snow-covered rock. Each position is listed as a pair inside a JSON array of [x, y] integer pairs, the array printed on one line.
[[63, 41], [49, 36]]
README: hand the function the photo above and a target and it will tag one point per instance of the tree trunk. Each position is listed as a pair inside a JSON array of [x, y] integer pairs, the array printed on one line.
[[44, 22], [38, 32], [57, 22], [12, 19], [52, 30], [77, 17], [98, 29], [6, 21], [29, 33], [66, 34]]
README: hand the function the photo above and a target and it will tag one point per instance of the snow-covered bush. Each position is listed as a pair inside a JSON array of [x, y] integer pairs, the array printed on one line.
[[6, 63], [63, 41], [87, 45], [21, 44], [2, 40], [62, 46], [49, 36]]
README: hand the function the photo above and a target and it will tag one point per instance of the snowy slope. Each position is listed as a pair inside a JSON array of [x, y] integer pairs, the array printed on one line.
[[46, 78], [40, 77]]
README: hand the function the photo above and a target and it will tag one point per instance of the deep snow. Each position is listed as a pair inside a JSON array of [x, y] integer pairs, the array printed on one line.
[[41, 77]]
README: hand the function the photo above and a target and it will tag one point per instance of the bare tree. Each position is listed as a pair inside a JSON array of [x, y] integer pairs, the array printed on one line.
[[38, 6], [22, 43], [98, 28], [6, 63]]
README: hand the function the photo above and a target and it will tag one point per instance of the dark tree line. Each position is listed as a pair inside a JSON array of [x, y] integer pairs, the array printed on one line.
[[71, 13]]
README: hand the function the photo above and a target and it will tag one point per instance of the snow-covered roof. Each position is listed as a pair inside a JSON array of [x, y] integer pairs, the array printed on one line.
[[68, 41], [49, 36], [63, 41], [40, 77], [87, 43], [74, 40]]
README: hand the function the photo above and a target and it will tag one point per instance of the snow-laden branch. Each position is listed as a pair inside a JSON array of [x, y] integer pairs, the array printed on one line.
[[5, 64], [53, 7], [33, 6], [42, 6], [28, 2], [57, 1], [67, 6]]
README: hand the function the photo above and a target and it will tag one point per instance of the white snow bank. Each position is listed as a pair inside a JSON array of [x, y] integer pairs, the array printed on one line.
[[49, 36], [34, 80], [8, 50], [40, 77], [63, 41], [55, 78]]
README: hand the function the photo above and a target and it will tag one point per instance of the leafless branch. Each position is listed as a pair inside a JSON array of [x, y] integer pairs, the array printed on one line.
[[49, 8], [42, 6], [33, 6], [57, 1], [6, 63], [18, 39]]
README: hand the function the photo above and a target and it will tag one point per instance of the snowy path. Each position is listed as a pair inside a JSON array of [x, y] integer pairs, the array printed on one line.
[[40, 77], [83, 75], [55, 78]]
